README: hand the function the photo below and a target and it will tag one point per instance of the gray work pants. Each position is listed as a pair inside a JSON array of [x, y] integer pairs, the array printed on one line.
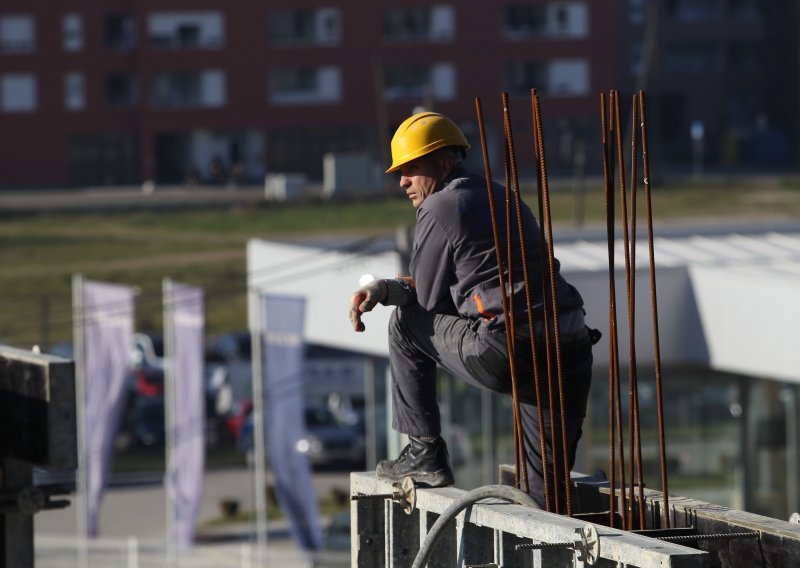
[[421, 340]]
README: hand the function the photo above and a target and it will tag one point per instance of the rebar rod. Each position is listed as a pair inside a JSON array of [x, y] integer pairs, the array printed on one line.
[[511, 169], [545, 306], [554, 294], [544, 545], [614, 339], [529, 306], [519, 451], [627, 251], [717, 536], [635, 375], [499, 255], [610, 230], [654, 303]]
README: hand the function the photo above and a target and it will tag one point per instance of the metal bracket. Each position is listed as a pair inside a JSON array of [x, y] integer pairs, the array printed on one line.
[[587, 544], [405, 495]]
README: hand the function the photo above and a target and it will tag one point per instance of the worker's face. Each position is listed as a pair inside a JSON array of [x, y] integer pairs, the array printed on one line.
[[423, 176]]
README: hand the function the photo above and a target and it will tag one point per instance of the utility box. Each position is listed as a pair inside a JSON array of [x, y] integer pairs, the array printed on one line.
[[350, 175], [285, 186]]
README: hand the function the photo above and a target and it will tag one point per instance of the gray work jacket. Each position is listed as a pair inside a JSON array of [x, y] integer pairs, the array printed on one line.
[[454, 261]]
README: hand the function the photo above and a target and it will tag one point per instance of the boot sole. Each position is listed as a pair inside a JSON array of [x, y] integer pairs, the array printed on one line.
[[440, 478]]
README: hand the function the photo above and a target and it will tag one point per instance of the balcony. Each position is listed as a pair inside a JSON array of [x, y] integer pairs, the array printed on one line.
[[298, 28], [419, 24], [188, 90], [561, 20], [305, 86], [186, 30]]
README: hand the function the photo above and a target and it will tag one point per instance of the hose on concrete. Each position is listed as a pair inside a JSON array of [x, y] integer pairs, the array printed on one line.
[[469, 498]]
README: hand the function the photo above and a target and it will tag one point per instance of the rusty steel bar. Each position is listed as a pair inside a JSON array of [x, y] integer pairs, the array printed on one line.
[[496, 236], [554, 294], [545, 303], [713, 536], [632, 309], [614, 340], [527, 287], [654, 303], [626, 248], [519, 445], [534, 356], [511, 169], [607, 183]]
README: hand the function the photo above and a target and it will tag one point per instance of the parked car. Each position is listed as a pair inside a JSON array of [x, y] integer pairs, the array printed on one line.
[[231, 357], [327, 443], [147, 422]]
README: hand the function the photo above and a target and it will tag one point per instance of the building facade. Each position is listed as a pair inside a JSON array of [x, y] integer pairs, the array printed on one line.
[[118, 92], [723, 79]]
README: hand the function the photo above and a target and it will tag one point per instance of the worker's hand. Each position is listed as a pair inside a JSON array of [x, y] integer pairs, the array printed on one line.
[[364, 300]]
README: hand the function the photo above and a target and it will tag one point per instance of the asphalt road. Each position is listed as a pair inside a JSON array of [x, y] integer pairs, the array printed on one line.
[[137, 509]]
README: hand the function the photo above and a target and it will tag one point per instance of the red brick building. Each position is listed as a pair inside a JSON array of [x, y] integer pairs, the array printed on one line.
[[117, 92]]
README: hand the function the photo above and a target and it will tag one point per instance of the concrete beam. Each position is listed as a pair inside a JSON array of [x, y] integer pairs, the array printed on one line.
[[539, 526]]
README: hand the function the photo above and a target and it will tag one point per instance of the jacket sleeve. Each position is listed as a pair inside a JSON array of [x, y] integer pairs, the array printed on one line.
[[432, 264], [399, 292]]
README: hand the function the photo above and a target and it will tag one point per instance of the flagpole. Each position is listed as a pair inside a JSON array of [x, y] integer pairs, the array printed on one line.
[[259, 455], [79, 356], [169, 415]]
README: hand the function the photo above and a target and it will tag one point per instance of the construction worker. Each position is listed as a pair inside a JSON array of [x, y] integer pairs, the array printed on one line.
[[450, 310]]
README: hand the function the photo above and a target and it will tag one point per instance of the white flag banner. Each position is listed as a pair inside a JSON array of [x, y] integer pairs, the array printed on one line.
[[107, 324], [283, 353], [185, 327]]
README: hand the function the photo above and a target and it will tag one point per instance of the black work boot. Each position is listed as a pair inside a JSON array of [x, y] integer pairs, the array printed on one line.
[[426, 462]]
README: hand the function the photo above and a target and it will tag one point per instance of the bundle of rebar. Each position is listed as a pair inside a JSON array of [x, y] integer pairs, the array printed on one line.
[[613, 164]]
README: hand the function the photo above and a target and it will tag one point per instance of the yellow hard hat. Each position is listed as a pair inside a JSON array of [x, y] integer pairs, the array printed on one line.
[[421, 134]]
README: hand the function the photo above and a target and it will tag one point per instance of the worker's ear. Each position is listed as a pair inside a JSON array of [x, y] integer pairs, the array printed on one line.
[[445, 163]]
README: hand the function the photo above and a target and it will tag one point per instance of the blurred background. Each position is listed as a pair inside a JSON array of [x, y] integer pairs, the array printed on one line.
[[148, 139]]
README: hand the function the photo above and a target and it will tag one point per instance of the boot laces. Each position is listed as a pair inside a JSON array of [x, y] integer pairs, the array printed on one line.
[[403, 454]]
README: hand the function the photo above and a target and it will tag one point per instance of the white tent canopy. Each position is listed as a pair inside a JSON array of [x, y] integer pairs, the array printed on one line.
[[327, 279], [730, 301]]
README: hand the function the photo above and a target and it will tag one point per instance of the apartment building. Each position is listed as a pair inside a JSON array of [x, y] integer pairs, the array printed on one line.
[[723, 79], [110, 92]]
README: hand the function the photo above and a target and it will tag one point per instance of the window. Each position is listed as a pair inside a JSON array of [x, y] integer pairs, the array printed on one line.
[[122, 90], [120, 32], [74, 91], [305, 85], [554, 19], [418, 81], [205, 30], [522, 76], [17, 34], [205, 89], [560, 77], [18, 92], [72, 32], [419, 23], [305, 27]]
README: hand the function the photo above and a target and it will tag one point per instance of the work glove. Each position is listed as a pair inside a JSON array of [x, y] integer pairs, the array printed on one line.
[[364, 299]]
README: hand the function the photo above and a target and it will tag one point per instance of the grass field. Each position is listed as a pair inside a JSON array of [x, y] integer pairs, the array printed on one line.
[[206, 248]]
